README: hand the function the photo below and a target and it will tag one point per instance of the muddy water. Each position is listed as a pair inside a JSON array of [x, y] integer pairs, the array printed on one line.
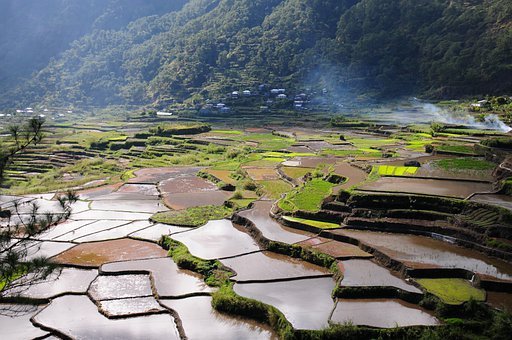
[[97, 192], [169, 280], [120, 286], [115, 233], [368, 273], [270, 266], [313, 162], [98, 253], [69, 280], [339, 250], [186, 185], [270, 229], [79, 318], [155, 175], [420, 251], [131, 306], [217, 239], [155, 232], [196, 199], [142, 189], [381, 313], [354, 175], [449, 188], [201, 321], [307, 303], [500, 300], [15, 322], [499, 200], [262, 174]]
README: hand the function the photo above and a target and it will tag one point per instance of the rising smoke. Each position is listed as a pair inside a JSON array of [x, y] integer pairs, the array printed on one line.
[[490, 122]]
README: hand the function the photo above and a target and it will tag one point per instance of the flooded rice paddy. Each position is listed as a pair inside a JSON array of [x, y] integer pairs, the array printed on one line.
[[133, 290], [97, 253], [339, 250], [307, 304], [120, 286], [155, 231], [67, 280], [130, 306], [460, 189], [264, 266], [168, 279], [217, 239], [15, 322], [361, 273], [259, 215], [381, 313], [201, 321], [78, 317], [421, 252]]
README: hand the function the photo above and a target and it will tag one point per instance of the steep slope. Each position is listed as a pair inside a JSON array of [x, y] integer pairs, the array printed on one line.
[[209, 47], [34, 31]]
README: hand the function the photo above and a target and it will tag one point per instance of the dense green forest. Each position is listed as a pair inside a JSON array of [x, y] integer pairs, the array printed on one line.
[[436, 48]]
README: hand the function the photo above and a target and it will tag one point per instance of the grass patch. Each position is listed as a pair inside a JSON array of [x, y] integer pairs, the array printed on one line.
[[313, 223], [277, 154], [467, 163], [212, 270], [268, 141], [241, 203], [456, 148], [274, 188], [227, 132], [193, 217], [452, 291], [308, 197], [223, 175], [296, 172], [390, 170]]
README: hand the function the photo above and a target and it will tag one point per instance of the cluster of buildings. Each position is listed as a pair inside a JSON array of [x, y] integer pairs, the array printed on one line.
[[271, 97]]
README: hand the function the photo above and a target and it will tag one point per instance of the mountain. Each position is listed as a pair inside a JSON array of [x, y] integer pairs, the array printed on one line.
[[34, 31], [205, 48]]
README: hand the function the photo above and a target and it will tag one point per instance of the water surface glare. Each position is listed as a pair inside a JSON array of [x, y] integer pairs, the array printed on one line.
[[270, 266], [367, 273], [259, 215], [217, 239], [77, 317], [381, 313], [421, 251], [307, 303], [201, 321]]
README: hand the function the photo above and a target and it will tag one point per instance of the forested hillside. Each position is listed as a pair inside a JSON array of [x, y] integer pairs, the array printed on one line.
[[439, 48], [34, 31]]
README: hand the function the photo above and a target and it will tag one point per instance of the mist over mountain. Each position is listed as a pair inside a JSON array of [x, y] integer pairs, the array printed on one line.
[[34, 31], [148, 52]]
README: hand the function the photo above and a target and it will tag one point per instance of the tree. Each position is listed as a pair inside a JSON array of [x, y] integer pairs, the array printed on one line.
[[22, 220]]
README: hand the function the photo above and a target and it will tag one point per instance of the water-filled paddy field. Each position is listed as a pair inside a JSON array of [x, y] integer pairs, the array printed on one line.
[[461, 189], [423, 252], [119, 281]]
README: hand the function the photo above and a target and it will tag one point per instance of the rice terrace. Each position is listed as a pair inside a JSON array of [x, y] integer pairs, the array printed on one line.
[[175, 172]]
